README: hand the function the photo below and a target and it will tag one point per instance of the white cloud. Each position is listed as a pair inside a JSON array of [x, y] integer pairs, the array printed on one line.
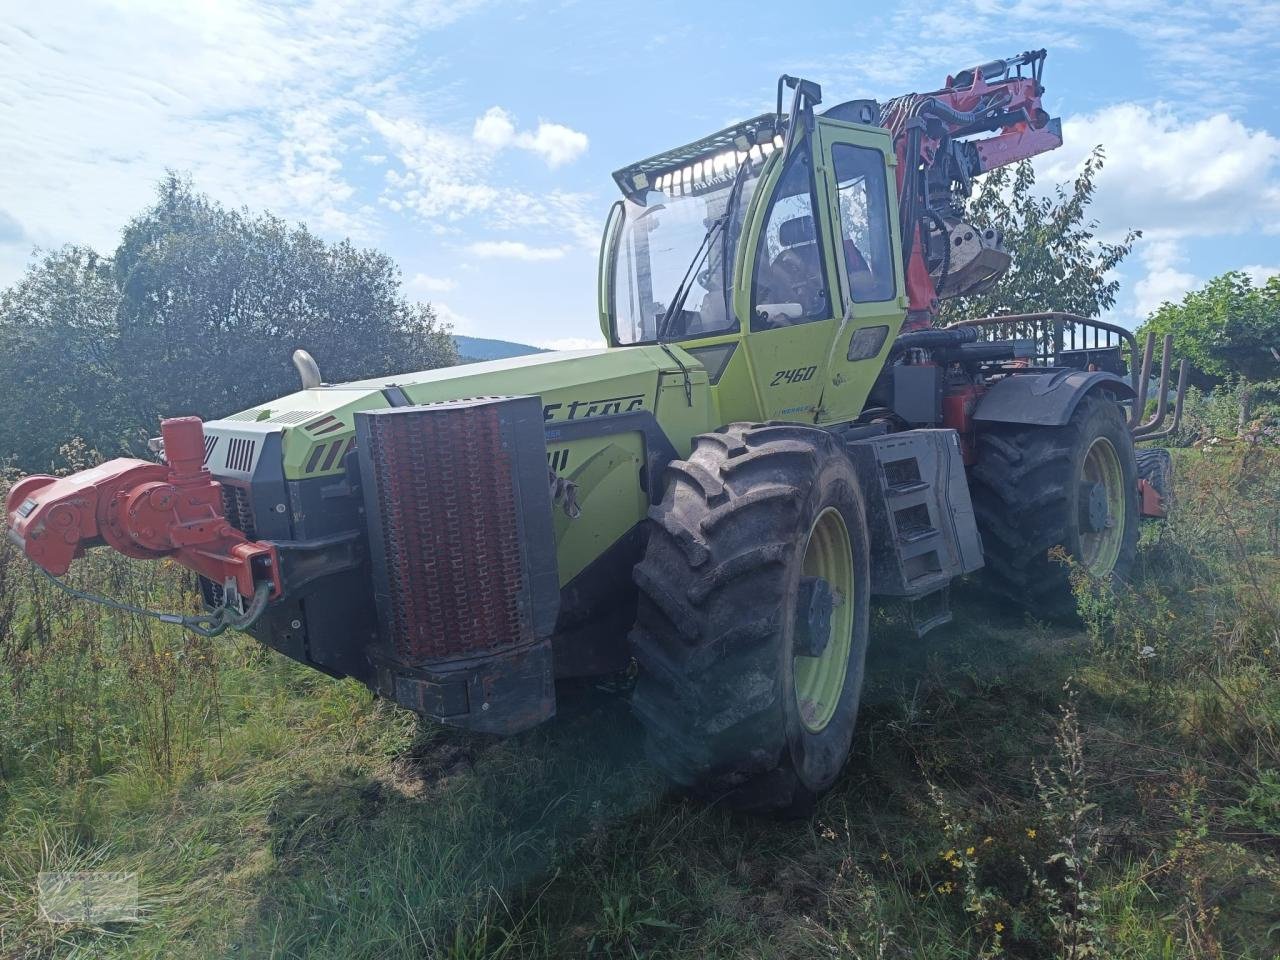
[[421, 283], [1260, 274], [514, 250], [457, 322], [494, 130], [572, 343], [1164, 280], [445, 178], [554, 142], [261, 103], [1171, 177], [1174, 179]]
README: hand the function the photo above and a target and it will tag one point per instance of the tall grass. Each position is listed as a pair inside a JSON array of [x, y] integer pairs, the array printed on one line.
[[1016, 789]]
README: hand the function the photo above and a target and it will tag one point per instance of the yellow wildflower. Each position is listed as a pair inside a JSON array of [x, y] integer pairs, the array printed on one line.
[[1031, 833], [999, 927], [969, 851]]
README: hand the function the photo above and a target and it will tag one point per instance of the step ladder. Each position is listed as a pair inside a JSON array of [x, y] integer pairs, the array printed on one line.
[[920, 518]]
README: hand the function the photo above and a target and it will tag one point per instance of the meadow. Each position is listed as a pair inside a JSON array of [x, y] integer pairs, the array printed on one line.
[[1017, 789]]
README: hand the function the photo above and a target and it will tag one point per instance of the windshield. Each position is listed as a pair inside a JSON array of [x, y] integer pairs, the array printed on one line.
[[659, 240]]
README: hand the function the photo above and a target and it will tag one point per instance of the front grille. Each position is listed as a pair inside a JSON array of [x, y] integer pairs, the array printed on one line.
[[446, 509], [237, 507]]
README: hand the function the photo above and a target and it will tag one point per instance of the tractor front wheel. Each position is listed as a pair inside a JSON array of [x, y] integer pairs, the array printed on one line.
[[1038, 488], [752, 620]]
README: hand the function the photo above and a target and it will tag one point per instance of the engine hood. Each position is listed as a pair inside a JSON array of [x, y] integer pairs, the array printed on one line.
[[317, 426]]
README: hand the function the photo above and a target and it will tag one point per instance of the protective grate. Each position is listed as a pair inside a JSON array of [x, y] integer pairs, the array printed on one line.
[[237, 508], [448, 513]]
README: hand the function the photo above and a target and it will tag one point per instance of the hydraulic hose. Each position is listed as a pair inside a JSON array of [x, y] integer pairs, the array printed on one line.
[[934, 108]]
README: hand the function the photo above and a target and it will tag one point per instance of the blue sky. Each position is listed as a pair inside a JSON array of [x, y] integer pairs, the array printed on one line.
[[474, 140]]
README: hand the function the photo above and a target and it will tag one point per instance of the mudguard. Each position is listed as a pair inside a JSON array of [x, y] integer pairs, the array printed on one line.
[[1045, 399]]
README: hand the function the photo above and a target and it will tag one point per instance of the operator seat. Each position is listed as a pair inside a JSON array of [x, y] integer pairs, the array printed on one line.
[[798, 238], [795, 273]]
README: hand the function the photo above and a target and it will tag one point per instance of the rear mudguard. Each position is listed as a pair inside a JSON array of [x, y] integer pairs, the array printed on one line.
[[1045, 399]]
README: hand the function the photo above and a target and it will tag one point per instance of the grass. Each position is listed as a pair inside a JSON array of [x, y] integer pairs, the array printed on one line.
[[1016, 789]]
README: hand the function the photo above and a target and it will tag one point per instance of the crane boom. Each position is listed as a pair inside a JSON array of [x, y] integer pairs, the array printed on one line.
[[983, 118]]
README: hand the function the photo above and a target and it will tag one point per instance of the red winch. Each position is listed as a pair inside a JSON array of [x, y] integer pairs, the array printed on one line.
[[144, 510]]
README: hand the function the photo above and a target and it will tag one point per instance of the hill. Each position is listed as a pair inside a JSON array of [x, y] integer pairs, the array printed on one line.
[[480, 348]]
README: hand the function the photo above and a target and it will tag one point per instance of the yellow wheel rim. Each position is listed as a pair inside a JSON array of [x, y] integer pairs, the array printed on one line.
[[1100, 549], [819, 681]]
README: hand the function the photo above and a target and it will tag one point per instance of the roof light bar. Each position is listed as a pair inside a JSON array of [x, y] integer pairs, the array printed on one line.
[[704, 163]]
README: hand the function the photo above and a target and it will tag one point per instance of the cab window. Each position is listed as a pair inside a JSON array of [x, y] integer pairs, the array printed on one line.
[[790, 282], [864, 221]]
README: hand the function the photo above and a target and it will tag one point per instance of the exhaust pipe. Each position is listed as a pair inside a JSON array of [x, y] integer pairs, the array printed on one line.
[[1147, 430], [1184, 373], [1140, 402]]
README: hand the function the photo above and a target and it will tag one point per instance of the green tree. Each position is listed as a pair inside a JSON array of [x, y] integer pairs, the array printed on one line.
[[197, 311], [1058, 262], [1228, 329], [58, 374]]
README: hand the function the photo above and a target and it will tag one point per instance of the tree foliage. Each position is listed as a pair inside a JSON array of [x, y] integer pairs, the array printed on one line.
[[1058, 261], [197, 311], [1230, 328]]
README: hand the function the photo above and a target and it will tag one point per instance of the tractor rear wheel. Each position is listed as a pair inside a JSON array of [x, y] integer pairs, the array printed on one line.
[[752, 620], [1037, 488]]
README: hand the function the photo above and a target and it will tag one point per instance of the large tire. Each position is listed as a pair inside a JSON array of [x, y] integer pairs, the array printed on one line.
[[1155, 465], [718, 619], [1034, 489]]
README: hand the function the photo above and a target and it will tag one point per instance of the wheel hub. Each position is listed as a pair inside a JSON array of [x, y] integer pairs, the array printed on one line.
[[823, 621], [1095, 514], [1101, 514], [814, 605]]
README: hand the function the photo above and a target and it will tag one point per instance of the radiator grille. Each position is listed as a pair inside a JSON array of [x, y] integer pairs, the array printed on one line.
[[238, 508], [447, 510]]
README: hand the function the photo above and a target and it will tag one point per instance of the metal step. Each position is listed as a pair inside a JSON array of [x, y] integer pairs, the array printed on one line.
[[927, 583], [902, 489], [916, 534], [930, 610]]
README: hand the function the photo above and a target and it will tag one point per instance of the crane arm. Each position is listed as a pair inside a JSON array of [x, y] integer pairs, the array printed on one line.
[[982, 118]]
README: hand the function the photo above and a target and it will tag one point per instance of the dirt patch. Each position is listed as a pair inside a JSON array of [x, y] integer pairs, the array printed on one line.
[[429, 763]]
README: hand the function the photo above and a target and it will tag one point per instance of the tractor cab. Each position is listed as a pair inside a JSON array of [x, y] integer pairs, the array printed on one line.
[[768, 252]]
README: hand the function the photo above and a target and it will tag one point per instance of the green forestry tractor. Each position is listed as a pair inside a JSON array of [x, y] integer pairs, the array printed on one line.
[[777, 433]]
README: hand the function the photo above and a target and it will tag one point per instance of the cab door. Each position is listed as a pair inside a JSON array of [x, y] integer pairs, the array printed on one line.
[[789, 302], [857, 164]]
